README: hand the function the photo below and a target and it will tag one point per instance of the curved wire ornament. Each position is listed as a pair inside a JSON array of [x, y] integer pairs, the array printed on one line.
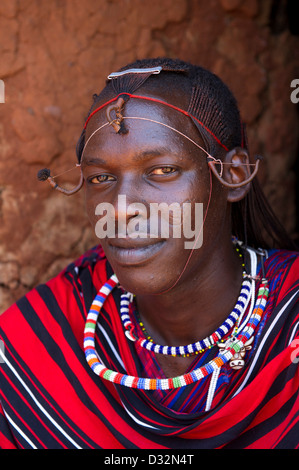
[[44, 175]]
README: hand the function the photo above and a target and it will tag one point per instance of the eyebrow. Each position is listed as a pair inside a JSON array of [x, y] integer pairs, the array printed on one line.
[[147, 154], [93, 161], [139, 157]]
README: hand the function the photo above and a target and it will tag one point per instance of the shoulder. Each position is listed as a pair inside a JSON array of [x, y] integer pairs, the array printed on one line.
[[282, 259], [64, 297], [282, 270], [282, 311]]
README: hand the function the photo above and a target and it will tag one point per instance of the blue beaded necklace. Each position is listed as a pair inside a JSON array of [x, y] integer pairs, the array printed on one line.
[[193, 348], [199, 346]]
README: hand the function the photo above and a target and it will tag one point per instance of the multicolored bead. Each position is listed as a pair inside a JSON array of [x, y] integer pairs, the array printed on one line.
[[170, 383]]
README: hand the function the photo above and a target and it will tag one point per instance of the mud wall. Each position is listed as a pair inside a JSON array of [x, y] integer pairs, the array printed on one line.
[[55, 54]]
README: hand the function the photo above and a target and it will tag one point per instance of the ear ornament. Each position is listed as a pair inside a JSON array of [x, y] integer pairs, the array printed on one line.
[[117, 122], [45, 175], [212, 161]]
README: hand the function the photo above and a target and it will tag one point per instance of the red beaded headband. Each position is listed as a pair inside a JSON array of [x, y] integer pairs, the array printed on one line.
[[147, 98]]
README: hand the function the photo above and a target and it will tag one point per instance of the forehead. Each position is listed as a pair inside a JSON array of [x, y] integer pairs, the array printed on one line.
[[149, 126], [142, 116]]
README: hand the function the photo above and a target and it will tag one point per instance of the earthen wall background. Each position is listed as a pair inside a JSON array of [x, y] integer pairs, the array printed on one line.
[[55, 54]]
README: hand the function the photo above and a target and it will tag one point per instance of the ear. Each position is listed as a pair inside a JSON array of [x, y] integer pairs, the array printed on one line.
[[236, 171]]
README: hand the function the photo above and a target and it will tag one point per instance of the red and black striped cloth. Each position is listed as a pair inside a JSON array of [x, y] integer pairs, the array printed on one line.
[[51, 399]]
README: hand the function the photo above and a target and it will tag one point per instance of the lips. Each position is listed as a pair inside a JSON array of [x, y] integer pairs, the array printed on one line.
[[130, 252]]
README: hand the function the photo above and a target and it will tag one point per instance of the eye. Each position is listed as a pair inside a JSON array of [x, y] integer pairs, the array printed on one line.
[[100, 179], [163, 170]]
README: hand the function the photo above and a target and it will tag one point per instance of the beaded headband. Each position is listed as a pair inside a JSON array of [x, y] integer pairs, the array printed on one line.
[[120, 101]]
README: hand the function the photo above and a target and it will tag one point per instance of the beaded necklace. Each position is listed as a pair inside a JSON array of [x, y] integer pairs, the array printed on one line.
[[193, 348], [232, 346], [199, 346]]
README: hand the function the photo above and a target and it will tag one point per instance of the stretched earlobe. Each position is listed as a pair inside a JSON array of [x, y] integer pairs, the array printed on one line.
[[45, 175], [235, 172]]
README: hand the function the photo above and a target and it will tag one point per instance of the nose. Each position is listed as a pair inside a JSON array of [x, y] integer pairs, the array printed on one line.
[[128, 215], [130, 209]]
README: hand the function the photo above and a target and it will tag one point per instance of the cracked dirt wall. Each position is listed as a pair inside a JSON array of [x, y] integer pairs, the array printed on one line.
[[55, 54]]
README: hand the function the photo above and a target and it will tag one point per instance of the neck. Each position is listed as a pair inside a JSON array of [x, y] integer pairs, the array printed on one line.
[[196, 306]]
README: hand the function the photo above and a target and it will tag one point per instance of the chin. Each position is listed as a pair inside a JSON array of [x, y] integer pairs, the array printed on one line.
[[140, 281], [145, 269]]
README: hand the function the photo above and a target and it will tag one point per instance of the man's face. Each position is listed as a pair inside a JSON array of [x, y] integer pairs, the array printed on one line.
[[150, 165]]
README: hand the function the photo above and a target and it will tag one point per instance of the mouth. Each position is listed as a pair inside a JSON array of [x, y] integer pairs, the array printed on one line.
[[134, 252]]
